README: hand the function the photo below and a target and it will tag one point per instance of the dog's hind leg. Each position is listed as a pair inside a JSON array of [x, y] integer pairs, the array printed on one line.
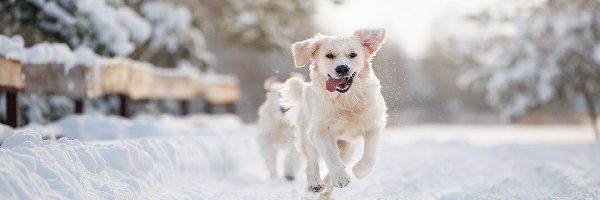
[[371, 145], [270, 156], [292, 163]]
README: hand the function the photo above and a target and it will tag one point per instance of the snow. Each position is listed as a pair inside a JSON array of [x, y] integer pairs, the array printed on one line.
[[59, 53], [48, 53], [8, 46], [86, 56], [26, 139], [5, 132], [139, 28], [214, 78], [52, 9], [111, 26], [167, 21], [186, 67], [114, 26], [208, 157]]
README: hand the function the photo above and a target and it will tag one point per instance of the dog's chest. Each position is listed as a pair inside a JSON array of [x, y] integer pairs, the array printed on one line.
[[360, 117]]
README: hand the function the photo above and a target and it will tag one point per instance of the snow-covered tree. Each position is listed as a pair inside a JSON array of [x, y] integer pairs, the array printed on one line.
[[102, 25], [174, 37], [536, 55], [263, 24], [111, 28]]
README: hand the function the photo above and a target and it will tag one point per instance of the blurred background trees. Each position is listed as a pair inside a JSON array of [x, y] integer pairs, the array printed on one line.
[[549, 52]]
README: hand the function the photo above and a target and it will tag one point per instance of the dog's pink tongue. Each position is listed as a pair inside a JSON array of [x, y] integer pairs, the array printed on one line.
[[333, 83]]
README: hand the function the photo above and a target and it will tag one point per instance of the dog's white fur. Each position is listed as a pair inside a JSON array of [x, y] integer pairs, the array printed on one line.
[[276, 133], [328, 123]]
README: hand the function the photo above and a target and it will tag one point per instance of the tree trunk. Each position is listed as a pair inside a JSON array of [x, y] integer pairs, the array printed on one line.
[[591, 107]]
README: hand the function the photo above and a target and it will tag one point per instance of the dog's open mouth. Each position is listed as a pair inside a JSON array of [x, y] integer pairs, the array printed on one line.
[[342, 84]]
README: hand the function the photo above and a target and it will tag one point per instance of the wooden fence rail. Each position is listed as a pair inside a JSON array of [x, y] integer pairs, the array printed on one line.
[[129, 79]]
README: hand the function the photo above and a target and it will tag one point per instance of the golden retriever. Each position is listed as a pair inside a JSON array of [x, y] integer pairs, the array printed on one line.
[[276, 133], [340, 105]]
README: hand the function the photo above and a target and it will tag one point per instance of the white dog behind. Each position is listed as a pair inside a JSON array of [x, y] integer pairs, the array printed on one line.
[[276, 133], [341, 104]]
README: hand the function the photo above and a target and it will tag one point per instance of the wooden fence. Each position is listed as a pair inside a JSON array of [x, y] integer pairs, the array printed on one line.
[[129, 79]]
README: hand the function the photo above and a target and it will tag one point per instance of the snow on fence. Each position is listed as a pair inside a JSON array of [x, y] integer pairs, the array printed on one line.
[[53, 69]]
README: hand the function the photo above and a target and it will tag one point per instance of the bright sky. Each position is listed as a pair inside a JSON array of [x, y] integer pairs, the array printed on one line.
[[412, 24]]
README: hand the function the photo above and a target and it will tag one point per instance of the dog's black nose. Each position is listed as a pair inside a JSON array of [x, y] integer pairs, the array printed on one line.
[[342, 70]]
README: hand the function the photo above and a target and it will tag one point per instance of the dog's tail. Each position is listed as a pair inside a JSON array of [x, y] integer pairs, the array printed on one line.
[[269, 82], [292, 93], [296, 74]]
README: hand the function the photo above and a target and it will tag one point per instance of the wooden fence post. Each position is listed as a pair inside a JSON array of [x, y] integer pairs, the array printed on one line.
[[12, 108], [231, 108], [184, 106], [124, 105], [209, 108], [79, 106]]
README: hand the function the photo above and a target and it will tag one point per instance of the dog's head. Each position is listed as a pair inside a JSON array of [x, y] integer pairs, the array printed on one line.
[[338, 59]]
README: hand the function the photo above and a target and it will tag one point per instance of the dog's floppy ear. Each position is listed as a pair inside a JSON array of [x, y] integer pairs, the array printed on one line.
[[371, 39], [270, 82], [304, 50]]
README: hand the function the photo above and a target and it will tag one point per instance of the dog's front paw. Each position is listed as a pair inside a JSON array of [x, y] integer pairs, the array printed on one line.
[[316, 186], [339, 178]]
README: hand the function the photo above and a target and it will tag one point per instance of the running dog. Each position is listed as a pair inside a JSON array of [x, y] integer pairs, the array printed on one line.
[[276, 133], [339, 106]]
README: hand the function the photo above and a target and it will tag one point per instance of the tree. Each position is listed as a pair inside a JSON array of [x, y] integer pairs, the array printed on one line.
[[547, 52], [111, 28], [265, 25], [105, 26]]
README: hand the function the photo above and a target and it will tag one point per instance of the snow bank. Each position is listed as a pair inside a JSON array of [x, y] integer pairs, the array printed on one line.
[[205, 157], [5, 132], [25, 139], [155, 167], [92, 127]]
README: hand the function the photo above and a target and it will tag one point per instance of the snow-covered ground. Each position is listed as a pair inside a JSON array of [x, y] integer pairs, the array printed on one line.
[[202, 157]]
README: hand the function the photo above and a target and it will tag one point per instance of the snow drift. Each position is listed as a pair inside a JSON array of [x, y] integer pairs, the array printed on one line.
[[200, 157]]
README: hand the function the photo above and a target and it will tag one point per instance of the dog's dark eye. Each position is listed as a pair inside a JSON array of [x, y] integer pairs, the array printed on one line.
[[330, 56], [352, 55]]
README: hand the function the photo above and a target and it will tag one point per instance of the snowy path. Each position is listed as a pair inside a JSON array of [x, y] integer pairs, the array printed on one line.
[[174, 159]]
